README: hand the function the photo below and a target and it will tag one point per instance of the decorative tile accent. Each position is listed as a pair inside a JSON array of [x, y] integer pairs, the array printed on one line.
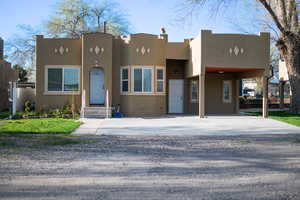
[[97, 50], [143, 50], [61, 50], [236, 50]]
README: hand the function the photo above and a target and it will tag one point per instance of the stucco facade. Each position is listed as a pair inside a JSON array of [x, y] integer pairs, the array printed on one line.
[[146, 74]]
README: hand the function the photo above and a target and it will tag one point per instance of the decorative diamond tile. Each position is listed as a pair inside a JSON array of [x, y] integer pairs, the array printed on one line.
[[236, 50], [148, 50], [97, 50], [102, 50], [61, 50], [137, 50], [230, 51], [143, 50], [67, 50], [242, 50], [55, 50], [91, 50]]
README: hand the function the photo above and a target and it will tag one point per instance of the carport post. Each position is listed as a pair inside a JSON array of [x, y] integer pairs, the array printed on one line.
[[265, 97], [201, 95]]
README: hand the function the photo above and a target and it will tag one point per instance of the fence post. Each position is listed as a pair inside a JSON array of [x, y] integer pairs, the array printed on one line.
[[14, 98]]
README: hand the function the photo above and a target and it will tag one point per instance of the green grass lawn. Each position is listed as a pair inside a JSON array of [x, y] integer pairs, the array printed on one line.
[[284, 116], [39, 132], [4, 114], [39, 126]]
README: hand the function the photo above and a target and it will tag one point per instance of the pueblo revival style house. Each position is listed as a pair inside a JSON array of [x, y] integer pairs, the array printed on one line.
[[146, 75]]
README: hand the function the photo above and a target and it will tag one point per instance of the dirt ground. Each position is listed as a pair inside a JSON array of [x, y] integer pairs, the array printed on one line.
[[153, 167]]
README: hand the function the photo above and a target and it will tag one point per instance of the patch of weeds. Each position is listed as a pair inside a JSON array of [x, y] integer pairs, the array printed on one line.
[[245, 141]]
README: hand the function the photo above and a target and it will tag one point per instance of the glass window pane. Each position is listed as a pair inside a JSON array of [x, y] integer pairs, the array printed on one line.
[[160, 86], [194, 90], [125, 86], [226, 92], [138, 80], [71, 79], [147, 80], [54, 79], [160, 74], [124, 74]]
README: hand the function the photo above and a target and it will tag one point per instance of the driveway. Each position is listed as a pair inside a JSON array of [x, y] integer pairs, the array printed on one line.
[[187, 126]]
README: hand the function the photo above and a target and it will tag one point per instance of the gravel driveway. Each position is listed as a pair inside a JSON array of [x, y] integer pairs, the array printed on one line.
[[154, 167]]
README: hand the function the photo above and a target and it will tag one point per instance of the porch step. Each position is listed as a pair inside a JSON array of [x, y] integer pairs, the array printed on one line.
[[95, 112]]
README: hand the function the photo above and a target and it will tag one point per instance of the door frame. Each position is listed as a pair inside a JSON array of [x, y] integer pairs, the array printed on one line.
[[169, 96], [90, 85]]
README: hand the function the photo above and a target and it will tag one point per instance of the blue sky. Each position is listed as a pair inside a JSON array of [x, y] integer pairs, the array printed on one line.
[[145, 16]]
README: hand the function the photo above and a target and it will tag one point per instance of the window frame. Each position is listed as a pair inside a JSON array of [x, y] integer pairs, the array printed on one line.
[[61, 92], [191, 91], [152, 79], [121, 80], [229, 82], [160, 80]]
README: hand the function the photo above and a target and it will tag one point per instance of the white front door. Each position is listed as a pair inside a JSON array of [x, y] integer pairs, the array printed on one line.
[[97, 91], [176, 96]]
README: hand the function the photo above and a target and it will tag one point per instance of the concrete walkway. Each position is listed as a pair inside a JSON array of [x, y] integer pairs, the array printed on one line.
[[186, 126]]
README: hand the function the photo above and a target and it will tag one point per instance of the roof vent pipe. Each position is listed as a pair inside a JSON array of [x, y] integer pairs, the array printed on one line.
[[104, 27]]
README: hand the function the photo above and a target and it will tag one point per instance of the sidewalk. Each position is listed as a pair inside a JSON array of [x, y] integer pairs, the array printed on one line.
[[89, 127]]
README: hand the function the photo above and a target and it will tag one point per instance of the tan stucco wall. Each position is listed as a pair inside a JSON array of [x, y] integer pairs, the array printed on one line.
[[92, 60], [178, 50], [45, 55], [7, 74], [143, 105], [214, 93], [191, 57], [213, 50]]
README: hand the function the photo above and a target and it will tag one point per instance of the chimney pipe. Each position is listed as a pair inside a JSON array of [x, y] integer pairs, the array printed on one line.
[[104, 27]]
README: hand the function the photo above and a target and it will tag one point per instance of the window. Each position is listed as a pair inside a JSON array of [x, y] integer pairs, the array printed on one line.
[[227, 91], [142, 80], [63, 79], [124, 79], [194, 91], [160, 80]]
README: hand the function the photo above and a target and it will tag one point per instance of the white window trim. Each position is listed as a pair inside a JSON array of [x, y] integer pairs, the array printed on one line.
[[230, 91], [163, 80], [152, 79], [121, 80], [191, 91], [61, 92]]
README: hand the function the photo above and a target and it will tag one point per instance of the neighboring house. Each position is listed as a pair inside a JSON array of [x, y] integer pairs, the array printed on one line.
[[146, 74], [7, 75]]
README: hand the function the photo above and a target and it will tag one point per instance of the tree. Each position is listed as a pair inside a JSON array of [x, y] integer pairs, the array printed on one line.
[[21, 48], [75, 17], [22, 73], [284, 17]]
